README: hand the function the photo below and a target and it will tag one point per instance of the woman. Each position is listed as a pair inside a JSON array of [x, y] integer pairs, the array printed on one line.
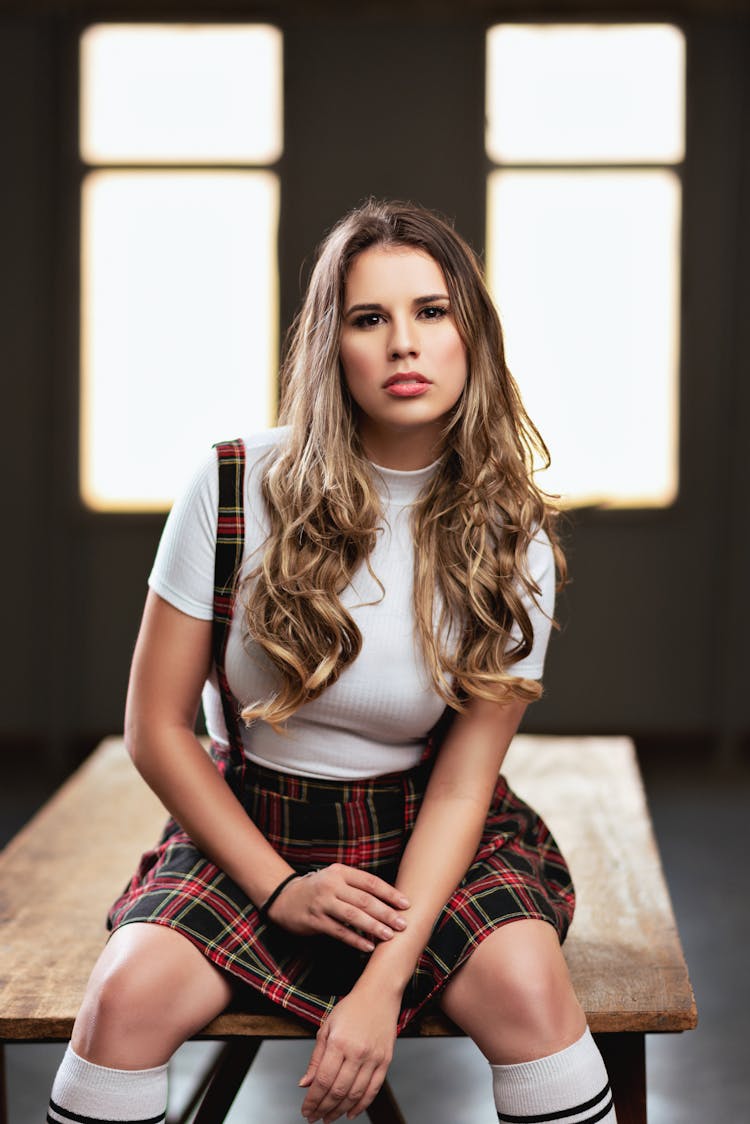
[[379, 565]]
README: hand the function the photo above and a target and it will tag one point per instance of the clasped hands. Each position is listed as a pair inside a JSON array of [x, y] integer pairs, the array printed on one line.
[[354, 1046]]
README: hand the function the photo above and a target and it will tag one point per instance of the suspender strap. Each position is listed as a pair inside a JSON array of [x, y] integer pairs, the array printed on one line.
[[230, 541]]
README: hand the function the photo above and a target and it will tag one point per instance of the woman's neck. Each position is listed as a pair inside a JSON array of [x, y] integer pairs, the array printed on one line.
[[404, 451]]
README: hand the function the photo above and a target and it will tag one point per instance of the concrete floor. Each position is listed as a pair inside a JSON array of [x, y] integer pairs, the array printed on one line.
[[700, 813]]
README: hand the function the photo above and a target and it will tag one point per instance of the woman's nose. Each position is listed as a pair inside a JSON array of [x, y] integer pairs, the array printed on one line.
[[403, 338]]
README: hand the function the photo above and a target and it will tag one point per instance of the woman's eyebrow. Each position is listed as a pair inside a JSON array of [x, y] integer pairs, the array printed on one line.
[[364, 308], [431, 298], [375, 307]]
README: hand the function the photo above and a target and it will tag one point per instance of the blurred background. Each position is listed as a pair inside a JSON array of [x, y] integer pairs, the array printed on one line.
[[168, 172]]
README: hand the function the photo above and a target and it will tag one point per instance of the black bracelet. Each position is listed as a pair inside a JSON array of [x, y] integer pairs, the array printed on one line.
[[263, 909]]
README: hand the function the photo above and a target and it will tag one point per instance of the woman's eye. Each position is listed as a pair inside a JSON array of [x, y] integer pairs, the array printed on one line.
[[434, 312], [367, 320]]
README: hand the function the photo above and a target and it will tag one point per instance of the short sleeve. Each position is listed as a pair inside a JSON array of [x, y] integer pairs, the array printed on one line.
[[541, 608], [183, 570]]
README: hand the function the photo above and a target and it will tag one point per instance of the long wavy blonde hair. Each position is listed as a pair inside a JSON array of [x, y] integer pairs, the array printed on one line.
[[472, 523]]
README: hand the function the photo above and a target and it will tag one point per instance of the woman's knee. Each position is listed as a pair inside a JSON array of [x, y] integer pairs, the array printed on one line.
[[149, 991], [530, 981], [515, 996]]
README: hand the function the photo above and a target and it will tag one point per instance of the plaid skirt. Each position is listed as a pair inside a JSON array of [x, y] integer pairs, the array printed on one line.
[[517, 872]]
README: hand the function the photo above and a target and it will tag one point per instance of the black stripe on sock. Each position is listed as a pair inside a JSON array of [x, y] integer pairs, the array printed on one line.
[[79, 1119], [560, 1114], [600, 1115]]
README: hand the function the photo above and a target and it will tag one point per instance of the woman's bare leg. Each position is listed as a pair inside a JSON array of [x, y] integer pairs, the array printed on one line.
[[150, 990], [514, 997]]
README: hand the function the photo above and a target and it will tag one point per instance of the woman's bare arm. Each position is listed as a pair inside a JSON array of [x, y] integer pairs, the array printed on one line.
[[171, 661], [448, 828]]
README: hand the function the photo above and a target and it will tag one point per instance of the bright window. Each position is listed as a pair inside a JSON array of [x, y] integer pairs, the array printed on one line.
[[180, 128], [585, 125]]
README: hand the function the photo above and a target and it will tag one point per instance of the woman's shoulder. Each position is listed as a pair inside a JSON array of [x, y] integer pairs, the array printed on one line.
[[264, 441], [198, 497], [257, 446]]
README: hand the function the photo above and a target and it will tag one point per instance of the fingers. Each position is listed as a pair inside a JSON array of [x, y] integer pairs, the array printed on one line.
[[366, 1099], [330, 1093], [375, 886], [386, 919], [320, 1043], [363, 1086], [346, 1090], [361, 901], [325, 1063], [352, 1054], [352, 905], [346, 935], [360, 917]]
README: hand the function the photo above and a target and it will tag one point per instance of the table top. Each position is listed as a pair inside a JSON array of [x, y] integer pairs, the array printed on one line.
[[62, 871]]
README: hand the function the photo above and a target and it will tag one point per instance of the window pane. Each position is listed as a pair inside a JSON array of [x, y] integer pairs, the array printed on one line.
[[180, 93], [584, 267], [585, 93], [179, 325]]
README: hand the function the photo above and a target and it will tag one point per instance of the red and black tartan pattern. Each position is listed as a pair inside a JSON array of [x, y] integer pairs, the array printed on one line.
[[230, 541], [518, 871]]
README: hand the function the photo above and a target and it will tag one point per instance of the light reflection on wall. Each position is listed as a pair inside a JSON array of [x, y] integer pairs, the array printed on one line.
[[181, 93], [179, 302], [584, 262], [586, 276], [179, 307]]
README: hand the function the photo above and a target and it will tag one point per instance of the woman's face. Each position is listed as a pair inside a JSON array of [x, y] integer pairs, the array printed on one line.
[[402, 357]]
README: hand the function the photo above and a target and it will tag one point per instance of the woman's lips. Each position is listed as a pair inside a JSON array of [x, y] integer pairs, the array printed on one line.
[[409, 384]]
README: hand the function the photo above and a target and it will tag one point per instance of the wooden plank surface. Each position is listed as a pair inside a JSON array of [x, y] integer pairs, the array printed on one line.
[[60, 873], [623, 949]]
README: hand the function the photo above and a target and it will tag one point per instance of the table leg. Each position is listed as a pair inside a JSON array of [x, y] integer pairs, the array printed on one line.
[[3, 1088], [384, 1108], [625, 1058], [227, 1075]]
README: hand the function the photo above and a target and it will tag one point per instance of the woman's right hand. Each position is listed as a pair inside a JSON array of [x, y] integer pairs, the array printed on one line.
[[341, 901]]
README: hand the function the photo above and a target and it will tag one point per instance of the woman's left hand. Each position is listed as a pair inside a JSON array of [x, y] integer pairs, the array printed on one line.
[[352, 1053]]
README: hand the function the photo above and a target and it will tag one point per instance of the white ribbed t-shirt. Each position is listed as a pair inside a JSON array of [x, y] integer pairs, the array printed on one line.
[[374, 719]]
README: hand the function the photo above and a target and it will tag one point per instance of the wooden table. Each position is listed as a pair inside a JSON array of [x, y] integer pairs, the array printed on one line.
[[60, 873]]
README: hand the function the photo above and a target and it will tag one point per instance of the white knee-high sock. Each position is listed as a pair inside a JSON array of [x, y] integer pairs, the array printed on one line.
[[566, 1088], [84, 1093]]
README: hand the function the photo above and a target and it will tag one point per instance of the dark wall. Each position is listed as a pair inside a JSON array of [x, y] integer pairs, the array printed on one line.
[[656, 617]]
